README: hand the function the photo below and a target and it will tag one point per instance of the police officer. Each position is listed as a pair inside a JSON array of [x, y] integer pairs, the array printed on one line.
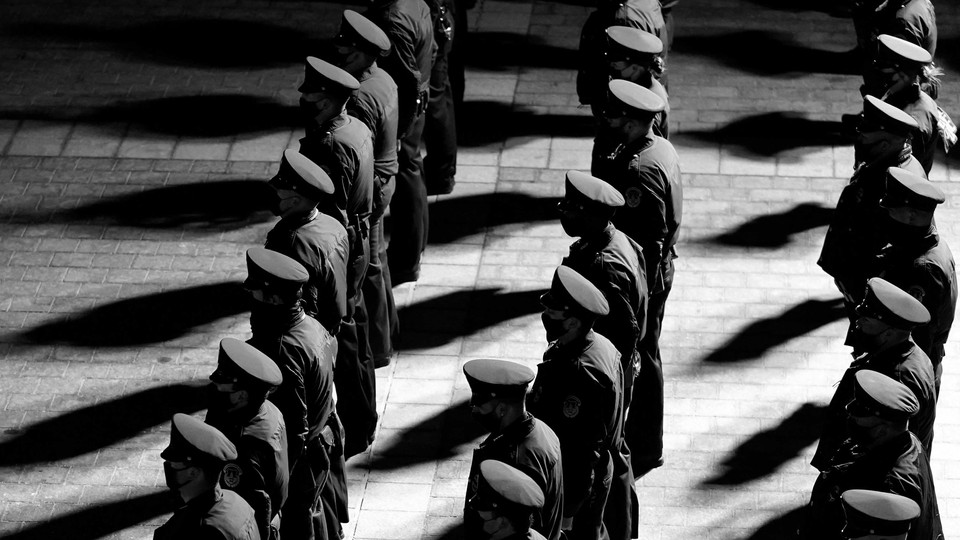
[[912, 20], [882, 332], [578, 392], [517, 438], [852, 241], [877, 515], [240, 410], [440, 124], [634, 55], [645, 168], [359, 44], [506, 502], [305, 353], [899, 76], [881, 455], [192, 464], [409, 25], [917, 260]]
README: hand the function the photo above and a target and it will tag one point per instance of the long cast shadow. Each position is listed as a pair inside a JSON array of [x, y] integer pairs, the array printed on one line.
[[761, 336], [463, 216], [89, 429], [100, 520], [434, 438], [143, 320], [440, 320], [771, 54], [781, 527], [500, 51], [492, 122], [765, 451], [769, 134], [776, 230]]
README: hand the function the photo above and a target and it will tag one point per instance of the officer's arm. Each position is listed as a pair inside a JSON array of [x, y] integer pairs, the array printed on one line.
[[653, 207], [402, 65], [291, 398], [582, 446], [622, 326], [208, 532], [590, 76]]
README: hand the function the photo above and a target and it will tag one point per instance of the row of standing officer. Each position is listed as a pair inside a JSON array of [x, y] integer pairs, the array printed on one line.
[[898, 281]]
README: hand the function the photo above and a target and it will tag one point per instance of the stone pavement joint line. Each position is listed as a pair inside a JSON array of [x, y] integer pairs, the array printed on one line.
[[134, 141]]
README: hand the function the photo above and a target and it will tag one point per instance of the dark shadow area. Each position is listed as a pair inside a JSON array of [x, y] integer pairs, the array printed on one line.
[[437, 437], [761, 52], [768, 134], [203, 43], [764, 452], [205, 207], [834, 9], [453, 533], [208, 116], [89, 429], [143, 320], [463, 216], [761, 336], [781, 527], [948, 54], [499, 51], [101, 520], [776, 230], [492, 122], [438, 321]]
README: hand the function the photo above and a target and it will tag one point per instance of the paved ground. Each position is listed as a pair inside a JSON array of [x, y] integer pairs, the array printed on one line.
[[135, 137]]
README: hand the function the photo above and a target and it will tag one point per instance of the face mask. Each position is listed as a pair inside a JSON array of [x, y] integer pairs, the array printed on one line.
[[571, 226], [553, 327], [177, 479], [901, 234], [489, 422]]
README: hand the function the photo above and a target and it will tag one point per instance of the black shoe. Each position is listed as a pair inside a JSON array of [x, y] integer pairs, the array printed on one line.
[[441, 187]]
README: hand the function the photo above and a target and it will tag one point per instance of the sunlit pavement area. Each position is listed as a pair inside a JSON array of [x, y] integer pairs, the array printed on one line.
[[136, 138]]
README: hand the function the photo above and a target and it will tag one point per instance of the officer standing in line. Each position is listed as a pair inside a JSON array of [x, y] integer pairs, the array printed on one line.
[[240, 410], [918, 261], [852, 240], [305, 353], [880, 455], [192, 464], [440, 127], [499, 389], [876, 514], [578, 392], [409, 26], [645, 168], [912, 20], [882, 331], [358, 45], [343, 146], [634, 55], [506, 502]]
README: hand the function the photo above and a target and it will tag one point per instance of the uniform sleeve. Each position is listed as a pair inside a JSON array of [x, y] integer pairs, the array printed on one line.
[[582, 436], [208, 532], [291, 398], [590, 74], [653, 206], [402, 65], [623, 326]]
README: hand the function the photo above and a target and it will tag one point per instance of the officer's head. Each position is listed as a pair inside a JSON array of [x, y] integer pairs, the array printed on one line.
[[633, 55], [325, 91], [243, 379], [588, 204], [877, 515], [195, 457], [899, 63], [274, 279], [498, 388], [359, 43], [571, 306], [880, 409], [506, 500], [884, 133], [300, 184], [910, 201], [886, 316], [630, 110]]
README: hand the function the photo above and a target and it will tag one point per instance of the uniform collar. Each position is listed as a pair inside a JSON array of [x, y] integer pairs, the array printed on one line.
[[595, 241], [515, 431]]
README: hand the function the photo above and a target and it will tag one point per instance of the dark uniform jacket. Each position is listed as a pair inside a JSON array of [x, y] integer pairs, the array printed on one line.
[[927, 271], [852, 240], [219, 514], [911, 20], [899, 466], [648, 176], [923, 109], [531, 446], [592, 72], [578, 392], [615, 265], [320, 244], [409, 26], [261, 465], [305, 353], [904, 363], [376, 106]]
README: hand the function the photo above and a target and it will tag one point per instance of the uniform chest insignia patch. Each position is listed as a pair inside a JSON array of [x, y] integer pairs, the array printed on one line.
[[632, 197], [231, 475], [571, 406]]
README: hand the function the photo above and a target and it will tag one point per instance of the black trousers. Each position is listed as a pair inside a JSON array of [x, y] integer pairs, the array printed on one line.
[[409, 220]]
